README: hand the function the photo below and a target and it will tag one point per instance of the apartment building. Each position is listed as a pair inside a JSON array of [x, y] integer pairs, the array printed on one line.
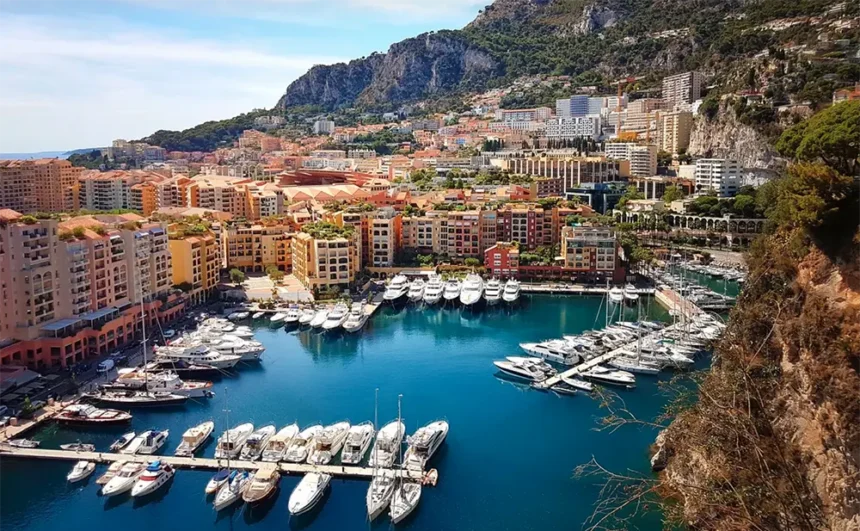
[[220, 193], [256, 247], [682, 88], [360, 221], [719, 175], [641, 115], [464, 234], [326, 261], [323, 127], [642, 158], [591, 250], [568, 128], [576, 105], [143, 197], [523, 115], [425, 234], [527, 225], [173, 192], [386, 230], [44, 185], [149, 262], [502, 260], [571, 171], [673, 131], [196, 262]]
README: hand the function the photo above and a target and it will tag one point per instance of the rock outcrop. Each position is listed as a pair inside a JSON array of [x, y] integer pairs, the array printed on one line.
[[725, 136]]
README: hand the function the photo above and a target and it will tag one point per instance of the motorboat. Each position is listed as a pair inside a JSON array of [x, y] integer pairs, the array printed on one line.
[[231, 441], [238, 316], [473, 289], [306, 316], [87, 414], [23, 443], [633, 365], [525, 369], [433, 290], [328, 443], [112, 471], [319, 318], [262, 486], [387, 445], [218, 480], [255, 443], [243, 332], [563, 388], [396, 289], [198, 354], [578, 384], [258, 315], [81, 471], [124, 440], [152, 441], [278, 317], [630, 293], [416, 291], [301, 445], [78, 447], [512, 291], [616, 295], [356, 319], [232, 345], [293, 315], [232, 491], [124, 480], [194, 438], [556, 350], [610, 376], [357, 442], [170, 382], [452, 290], [308, 492], [423, 444], [493, 291], [405, 499], [277, 446], [336, 317], [183, 368], [134, 446], [379, 494], [136, 398], [156, 475]]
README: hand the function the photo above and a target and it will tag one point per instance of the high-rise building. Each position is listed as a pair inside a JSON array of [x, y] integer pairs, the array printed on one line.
[[386, 228], [45, 185], [323, 127], [17, 186], [256, 247], [589, 250], [642, 158], [673, 131], [523, 115], [528, 225], [568, 128], [682, 88], [325, 260], [576, 105], [719, 175], [197, 263]]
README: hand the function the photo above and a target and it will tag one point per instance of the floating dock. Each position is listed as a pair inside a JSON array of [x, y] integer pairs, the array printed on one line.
[[208, 464]]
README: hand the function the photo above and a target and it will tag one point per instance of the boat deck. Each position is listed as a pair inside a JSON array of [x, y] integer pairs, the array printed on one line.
[[204, 463]]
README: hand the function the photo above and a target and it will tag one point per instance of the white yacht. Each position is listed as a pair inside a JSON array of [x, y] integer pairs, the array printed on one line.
[[610, 376], [357, 442], [257, 315], [293, 316], [473, 288], [232, 345], [396, 289], [255, 443], [633, 365], [493, 291], [152, 441], [231, 441], [137, 443], [308, 492], [307, 316], [616, 295], [232, 491], [424, 444], [328, 443], [416, 291], [194, 438], [336, 317], [243, 332], [452, 290], [81, 471], [405, 499], [556, 350], [278, 317], [630, 293], [356, 319], [301, 445], [525, 369], [433, 290], [238, 316], [124, 480], [578, 384], [387, 445], [111, 472], [198, 355], [156, 475], [277, 446], [379, 494], [512, 291], [319, 318], [218, 480], [170, 382]]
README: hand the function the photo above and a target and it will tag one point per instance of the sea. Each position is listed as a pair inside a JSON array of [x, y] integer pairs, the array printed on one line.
[[507, 463]]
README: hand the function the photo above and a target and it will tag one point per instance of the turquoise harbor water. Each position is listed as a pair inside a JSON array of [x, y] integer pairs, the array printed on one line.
[[507, 462]]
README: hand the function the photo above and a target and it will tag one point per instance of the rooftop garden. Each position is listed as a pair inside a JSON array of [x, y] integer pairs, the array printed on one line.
[[322, 230]]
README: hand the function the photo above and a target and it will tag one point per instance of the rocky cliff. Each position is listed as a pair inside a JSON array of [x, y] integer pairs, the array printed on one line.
[[725, 136]]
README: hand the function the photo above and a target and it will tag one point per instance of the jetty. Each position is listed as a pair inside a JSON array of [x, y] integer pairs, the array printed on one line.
[[344, 471], [575, 289]]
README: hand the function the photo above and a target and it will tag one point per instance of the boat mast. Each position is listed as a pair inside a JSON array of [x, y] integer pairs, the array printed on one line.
[[227, 434], [400, 445], [375, 429], [142, 323]]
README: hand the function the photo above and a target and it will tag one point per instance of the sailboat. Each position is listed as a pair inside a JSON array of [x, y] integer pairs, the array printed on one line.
[[407, 494], [382, 485]]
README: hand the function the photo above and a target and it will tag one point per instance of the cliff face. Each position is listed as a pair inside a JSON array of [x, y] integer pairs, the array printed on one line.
[[725, 136], [417, 67]]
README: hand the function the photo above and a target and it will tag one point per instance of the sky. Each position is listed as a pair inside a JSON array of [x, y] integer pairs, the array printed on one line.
[[80, 73]]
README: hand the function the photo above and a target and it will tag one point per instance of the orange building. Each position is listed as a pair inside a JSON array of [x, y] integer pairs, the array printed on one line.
[[46, 185]]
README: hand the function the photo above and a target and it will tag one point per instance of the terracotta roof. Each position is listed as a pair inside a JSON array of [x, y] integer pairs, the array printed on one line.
[[7, 214]]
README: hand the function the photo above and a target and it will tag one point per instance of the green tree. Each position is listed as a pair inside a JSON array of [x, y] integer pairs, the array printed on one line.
[[274, 273], [673, 193], [744, 205], [630, 194], [831, 136], [472, 262], [664, 158], [236, 276]]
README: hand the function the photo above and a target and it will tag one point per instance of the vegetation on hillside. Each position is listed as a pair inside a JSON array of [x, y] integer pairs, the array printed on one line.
[[207, 136]]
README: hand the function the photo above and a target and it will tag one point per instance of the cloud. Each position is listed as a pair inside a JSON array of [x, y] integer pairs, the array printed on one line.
[[67, 86]]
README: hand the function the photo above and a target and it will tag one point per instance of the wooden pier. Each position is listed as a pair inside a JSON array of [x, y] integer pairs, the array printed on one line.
[[345, 471]]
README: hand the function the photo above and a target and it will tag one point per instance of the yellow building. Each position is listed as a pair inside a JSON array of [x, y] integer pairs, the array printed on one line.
[[255, 247], [196, 261], [143, 197], [327, 257], [673, 131], [589, 249]]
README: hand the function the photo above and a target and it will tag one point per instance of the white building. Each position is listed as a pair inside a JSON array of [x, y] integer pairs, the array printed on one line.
[[643, 159], [323, 127], [523, 115], [576, 105], [682, 88], [720, 175], [573, 127]]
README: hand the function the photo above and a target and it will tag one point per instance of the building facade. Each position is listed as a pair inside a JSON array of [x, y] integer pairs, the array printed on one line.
[[722, 176], [502, 260], [682, 88]]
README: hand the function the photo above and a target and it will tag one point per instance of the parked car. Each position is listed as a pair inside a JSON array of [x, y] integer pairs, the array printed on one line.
[[105, 366], [169, 333]]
